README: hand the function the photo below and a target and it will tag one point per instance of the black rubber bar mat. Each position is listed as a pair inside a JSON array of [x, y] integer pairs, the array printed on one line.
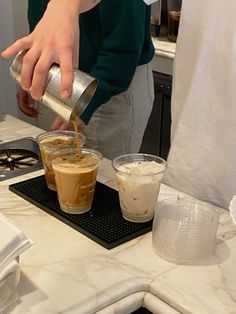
[[103, 224]]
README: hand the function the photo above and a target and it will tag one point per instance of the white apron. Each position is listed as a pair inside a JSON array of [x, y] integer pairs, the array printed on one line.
[[202, 158]]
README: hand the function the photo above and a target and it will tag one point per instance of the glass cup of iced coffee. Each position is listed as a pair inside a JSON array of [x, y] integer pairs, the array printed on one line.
[[139, 178], [52, 140], [75, 176]]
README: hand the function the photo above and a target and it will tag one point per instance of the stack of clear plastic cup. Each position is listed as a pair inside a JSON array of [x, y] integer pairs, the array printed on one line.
[[184, 231]]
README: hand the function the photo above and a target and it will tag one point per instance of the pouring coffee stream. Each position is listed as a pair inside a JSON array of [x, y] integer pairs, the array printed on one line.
[[73, 122], [69, 109]]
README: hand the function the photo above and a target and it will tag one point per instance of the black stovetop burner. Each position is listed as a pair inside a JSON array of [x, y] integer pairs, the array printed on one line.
[[19, 157]]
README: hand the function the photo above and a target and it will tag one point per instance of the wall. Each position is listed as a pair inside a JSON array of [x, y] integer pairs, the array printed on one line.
[[13, 25], [20, 25]]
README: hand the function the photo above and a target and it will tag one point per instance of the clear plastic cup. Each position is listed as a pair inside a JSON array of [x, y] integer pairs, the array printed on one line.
[[184, 231], [75, 178], [139, 178], [50, 141]]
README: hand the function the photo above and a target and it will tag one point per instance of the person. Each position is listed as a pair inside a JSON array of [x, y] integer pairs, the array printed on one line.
[[202, 156], [115, 48], [55, 40], [59, 29]]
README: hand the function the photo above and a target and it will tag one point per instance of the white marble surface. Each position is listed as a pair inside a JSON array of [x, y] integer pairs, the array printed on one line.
[[65, 272], [164, 55], [164, 47]]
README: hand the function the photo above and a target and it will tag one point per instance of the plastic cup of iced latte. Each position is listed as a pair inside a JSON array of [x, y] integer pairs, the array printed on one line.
[[139, 178], [75, 176], [50, 141]]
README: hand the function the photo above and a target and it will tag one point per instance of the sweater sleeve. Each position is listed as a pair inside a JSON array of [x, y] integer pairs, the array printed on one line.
[[123, 31], [35, 12]]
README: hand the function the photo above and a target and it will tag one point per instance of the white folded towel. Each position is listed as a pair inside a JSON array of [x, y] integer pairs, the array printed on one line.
[[232, 209], [9, 279], [12, 242], [12, 267]]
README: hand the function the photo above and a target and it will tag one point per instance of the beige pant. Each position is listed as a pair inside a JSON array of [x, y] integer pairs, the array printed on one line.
[[117, 127]]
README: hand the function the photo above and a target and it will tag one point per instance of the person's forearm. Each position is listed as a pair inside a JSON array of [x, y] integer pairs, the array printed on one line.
[[73, 5], [77, 6], [85, 5]]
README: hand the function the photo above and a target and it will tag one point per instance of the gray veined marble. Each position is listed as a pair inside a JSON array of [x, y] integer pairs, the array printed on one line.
[[65, 272]]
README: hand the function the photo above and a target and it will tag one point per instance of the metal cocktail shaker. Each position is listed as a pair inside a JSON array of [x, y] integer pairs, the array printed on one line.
[[83, 89]]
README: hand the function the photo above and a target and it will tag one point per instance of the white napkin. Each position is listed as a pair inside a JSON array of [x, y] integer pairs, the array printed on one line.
[[12, 267], [12, 242], [232, 209], [9, 279]]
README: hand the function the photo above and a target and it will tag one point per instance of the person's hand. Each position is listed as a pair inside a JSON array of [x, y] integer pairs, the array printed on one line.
[[54, 40], [26, 103], [59, 123]]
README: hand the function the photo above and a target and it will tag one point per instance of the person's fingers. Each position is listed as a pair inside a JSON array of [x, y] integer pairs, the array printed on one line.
[[31, 99], [80, 124], [66, 66], [29, 60], [25, 103], [55, 123], [64, 126], [58, 123], [76, 60], [40, 75], [76, 57], [20, 44]]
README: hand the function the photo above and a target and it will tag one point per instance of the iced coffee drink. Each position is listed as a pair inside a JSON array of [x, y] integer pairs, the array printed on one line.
[[75, 178], [50, 141], [139, 178]]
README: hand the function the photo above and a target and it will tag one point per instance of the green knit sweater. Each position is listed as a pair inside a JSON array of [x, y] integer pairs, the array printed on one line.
[[114, 38]]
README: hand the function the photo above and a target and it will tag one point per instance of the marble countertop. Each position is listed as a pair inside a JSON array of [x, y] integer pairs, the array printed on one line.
[[164, 55], [164, 48], [65, 272]]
